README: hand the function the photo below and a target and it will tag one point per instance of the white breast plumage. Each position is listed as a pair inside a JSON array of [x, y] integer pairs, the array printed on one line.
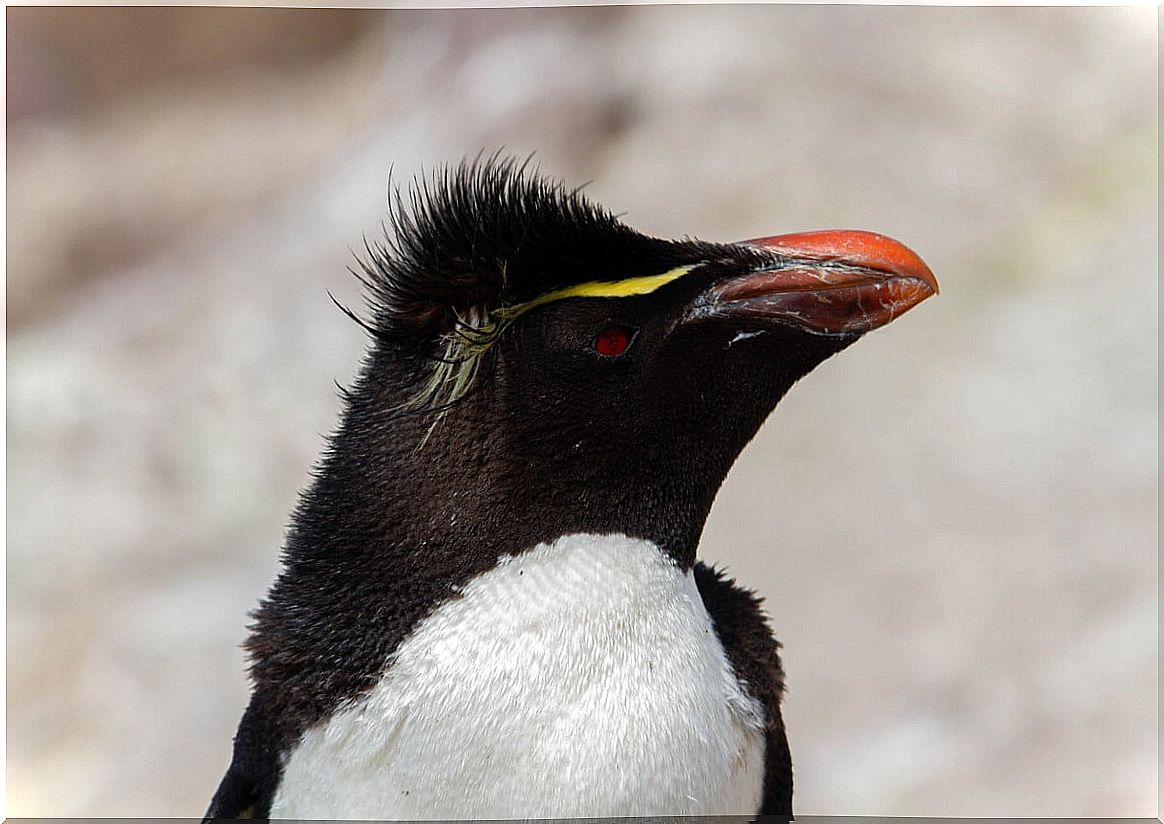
[[581, 678]]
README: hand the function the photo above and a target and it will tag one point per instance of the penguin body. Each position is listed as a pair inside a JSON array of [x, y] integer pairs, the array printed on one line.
[[490, 604], [586, 699]]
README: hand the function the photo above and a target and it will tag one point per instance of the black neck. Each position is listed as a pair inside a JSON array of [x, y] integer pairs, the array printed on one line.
[[397, 519]]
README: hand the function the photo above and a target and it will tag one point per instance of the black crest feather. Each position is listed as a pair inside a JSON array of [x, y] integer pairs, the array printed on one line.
[[487, 233]]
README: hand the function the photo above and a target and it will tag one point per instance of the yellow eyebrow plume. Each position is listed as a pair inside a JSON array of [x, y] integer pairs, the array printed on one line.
[[456, 371], [628, 287]]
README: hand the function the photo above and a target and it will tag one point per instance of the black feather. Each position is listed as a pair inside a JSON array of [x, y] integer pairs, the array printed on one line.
[[492, 232]]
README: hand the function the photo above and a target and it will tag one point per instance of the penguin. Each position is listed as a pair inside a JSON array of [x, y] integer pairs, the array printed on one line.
[[490, 602]]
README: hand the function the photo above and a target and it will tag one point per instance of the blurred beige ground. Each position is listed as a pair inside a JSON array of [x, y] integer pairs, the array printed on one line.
[[955, 523]]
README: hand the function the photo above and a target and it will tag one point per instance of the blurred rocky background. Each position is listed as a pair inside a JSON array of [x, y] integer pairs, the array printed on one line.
[[955, 523]]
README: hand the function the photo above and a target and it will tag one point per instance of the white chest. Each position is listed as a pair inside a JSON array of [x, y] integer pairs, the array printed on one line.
[[582, 678]]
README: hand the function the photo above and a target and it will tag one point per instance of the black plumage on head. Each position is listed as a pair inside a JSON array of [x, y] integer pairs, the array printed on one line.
[[468, 242], [488, 233]]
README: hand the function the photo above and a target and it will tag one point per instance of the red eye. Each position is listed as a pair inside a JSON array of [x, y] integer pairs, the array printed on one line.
[[613, 341]]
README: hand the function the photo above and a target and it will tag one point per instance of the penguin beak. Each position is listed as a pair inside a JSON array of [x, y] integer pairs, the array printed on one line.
[[834, 282]]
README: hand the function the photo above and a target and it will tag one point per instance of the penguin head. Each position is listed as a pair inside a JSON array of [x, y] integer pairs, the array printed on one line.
[[533, 354]]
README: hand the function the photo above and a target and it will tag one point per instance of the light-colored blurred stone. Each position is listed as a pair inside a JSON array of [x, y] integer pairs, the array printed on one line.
[[954, 523]]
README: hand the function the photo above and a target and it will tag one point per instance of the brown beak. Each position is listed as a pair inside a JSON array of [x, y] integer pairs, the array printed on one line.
[[830, 282]]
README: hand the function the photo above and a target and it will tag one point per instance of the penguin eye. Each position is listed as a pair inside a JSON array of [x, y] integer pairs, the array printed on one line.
[[613, 341]]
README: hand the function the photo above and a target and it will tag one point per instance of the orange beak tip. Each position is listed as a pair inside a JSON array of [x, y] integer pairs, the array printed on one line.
[[853, 247], [837, 281]]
